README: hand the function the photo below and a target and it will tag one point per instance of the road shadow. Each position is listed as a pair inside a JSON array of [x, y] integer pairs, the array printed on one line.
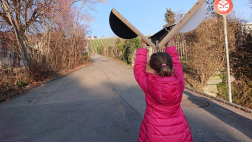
[[231, 118]]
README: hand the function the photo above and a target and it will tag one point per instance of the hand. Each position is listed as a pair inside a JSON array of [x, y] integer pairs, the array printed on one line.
[[143, 44], [170, 42]]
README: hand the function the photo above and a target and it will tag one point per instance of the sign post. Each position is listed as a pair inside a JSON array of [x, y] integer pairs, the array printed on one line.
[[224, 7]]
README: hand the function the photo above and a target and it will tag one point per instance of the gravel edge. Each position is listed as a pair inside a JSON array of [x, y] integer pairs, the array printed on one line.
[[221, 100]]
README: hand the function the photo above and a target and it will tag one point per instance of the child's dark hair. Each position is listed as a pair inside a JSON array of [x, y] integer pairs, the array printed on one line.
[[162, 63]]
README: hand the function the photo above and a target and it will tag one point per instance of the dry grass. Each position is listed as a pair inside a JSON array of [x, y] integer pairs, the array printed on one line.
[[16, 80]]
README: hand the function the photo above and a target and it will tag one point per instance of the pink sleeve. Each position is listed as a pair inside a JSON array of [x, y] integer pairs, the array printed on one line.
[[175, 59], [140, 68]]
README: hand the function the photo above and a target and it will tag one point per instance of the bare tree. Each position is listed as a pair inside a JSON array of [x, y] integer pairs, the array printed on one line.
[[20, 16]]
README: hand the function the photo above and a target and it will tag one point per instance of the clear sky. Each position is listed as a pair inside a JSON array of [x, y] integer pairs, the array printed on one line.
[[148, 15]]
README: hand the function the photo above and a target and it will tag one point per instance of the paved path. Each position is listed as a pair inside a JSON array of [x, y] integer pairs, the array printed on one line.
[[103, 103]]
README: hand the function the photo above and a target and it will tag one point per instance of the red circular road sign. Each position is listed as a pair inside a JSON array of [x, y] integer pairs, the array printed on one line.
[[223, 7]]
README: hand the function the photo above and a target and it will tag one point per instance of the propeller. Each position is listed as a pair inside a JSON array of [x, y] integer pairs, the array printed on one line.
[[124, 29]]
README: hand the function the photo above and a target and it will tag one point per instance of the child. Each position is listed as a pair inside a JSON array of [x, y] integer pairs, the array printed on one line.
[[163, 120]]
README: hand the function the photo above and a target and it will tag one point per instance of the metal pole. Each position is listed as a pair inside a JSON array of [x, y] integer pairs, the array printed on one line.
[[227, 56]]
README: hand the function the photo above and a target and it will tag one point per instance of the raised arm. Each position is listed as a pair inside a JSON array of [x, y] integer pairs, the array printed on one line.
[[170, 49], [140, 67], [175, 57], [176, 63]]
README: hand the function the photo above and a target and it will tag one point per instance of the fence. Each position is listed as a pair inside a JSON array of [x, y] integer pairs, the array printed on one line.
[[6, 59], [181, 48], [9, 59]]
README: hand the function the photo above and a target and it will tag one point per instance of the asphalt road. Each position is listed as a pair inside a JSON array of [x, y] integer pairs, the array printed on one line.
[[103, 103]]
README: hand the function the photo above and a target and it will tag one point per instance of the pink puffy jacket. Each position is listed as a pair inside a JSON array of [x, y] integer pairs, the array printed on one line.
[[163, 120]]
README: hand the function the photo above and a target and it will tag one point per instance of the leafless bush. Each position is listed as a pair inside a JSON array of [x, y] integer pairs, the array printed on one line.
[[206, 48]]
